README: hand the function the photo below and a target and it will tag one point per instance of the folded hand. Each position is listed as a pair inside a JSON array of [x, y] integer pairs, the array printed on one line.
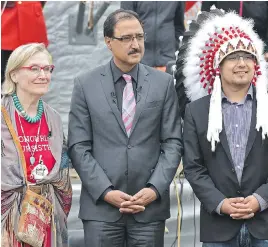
[[249, 202], [138, 202], [236, 208]]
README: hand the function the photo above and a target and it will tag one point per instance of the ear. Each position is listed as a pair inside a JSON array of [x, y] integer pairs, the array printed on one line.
[[108, 43], [13, 76]]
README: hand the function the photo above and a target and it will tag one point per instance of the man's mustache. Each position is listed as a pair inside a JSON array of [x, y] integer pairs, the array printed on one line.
[[134, 51]]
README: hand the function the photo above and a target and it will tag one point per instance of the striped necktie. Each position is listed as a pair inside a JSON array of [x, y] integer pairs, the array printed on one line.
[[128, 104]]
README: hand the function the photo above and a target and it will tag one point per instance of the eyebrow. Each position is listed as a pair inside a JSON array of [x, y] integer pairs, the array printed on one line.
[[240, 54], [131, 34], [35, 64]]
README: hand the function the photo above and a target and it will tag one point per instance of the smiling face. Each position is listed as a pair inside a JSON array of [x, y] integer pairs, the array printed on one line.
[[30, 82], [237, 69]]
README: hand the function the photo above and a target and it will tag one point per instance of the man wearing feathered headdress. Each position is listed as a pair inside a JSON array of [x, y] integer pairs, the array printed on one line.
[[226, 131]]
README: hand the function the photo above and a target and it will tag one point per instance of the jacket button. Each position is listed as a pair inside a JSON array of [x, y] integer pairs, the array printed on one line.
[[126, 173], [129, 146], [238, 192], [233, 170]]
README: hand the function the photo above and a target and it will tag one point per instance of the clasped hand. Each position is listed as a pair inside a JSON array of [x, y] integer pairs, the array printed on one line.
[[240, 208], [131, 204]]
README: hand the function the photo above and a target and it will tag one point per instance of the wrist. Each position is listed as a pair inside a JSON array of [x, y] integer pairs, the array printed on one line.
[[105, 193]]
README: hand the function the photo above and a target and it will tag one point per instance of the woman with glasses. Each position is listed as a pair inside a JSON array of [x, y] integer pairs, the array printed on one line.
[[39, 134]]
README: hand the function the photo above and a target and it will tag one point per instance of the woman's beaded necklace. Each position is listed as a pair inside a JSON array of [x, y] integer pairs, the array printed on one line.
[[22, 112]]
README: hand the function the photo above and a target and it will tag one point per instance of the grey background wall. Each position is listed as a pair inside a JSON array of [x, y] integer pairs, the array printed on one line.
[[70, 60]]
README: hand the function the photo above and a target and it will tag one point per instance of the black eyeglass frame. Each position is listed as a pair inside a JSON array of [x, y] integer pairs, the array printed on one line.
[[124, 39]]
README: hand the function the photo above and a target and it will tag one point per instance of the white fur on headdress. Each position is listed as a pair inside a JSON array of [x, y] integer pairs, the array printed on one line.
[[215, 116], [225, 34]]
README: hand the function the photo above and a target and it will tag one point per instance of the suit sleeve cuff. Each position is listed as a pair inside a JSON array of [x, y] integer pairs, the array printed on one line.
[[262, 202], [218, 209], [154, 189], [105, 192]]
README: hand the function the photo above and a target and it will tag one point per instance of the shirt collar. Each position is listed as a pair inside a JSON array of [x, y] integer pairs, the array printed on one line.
[[248, 96], [117, 73]]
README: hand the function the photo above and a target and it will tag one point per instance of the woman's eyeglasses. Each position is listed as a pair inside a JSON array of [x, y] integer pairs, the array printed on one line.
[[48, 69]]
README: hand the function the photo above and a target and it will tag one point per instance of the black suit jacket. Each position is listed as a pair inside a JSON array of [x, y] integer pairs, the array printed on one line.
[[213, 178]]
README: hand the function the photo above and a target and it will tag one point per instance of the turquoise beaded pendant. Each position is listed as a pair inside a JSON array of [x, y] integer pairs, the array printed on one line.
[[32, 160]]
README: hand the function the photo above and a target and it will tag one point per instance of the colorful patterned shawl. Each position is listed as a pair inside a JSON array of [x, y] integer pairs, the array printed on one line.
[[12, 178]]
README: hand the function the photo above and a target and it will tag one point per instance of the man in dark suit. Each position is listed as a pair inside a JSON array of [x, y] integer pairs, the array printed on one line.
[[226, 133], [124, 141]]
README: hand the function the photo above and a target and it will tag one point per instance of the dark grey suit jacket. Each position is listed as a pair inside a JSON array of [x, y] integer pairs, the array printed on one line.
[[104, 156], [213, 178]]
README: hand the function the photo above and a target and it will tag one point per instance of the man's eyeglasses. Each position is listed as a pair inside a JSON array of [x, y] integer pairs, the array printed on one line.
[[48, 69], [130, 38], [235, 57]]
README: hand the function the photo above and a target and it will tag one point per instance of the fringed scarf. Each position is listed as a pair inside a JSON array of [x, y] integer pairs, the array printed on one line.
[[12, 178]]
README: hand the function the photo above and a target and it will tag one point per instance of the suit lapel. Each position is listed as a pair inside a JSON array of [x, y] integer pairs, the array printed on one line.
[[109, 90], [252, 131], [143, 88], [222, 136], [225, 145]]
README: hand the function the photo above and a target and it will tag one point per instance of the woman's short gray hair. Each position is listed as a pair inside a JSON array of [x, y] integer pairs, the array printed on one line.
[[17, 59]]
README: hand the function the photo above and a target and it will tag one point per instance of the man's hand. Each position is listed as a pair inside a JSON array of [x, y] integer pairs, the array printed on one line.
[[236, 208], [253, 203], [142, 198], [116, 197], [249, 202], [131, 208]]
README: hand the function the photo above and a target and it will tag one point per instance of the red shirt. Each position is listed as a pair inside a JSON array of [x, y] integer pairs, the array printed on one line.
[[41, 149]]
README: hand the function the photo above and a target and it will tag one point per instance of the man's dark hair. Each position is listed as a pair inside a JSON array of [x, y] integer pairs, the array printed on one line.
[[114, 17]]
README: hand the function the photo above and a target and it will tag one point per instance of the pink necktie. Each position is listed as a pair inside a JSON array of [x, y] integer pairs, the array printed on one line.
[[129, 104]]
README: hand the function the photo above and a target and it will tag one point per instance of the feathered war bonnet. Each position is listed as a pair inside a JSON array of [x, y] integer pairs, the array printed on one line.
[[218, 37]]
